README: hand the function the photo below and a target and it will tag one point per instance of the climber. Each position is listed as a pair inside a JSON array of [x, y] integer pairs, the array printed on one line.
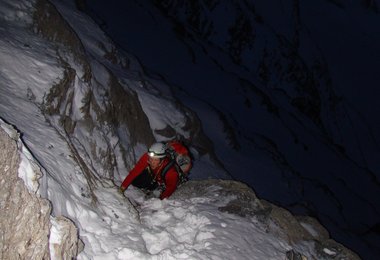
[[155, 169]]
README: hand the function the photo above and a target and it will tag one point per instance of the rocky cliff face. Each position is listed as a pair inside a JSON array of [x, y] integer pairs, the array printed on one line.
[[26, 224]]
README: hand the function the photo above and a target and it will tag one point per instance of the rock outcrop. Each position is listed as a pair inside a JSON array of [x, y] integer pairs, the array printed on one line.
[[26, 224], [296, 230]]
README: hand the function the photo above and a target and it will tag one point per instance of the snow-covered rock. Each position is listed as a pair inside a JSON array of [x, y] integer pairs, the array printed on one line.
[[236, 198]]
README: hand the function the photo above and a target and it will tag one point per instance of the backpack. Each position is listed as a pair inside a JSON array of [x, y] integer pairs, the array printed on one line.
[[180, 158]]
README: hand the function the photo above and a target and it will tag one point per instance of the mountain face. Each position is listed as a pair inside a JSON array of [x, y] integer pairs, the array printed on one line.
[[253, 103], [290, 88]]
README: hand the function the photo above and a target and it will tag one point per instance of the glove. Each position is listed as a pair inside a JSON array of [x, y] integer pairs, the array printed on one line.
[[121, 190]]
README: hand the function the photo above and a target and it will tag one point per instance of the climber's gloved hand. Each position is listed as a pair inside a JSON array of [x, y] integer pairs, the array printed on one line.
[[121, 190]]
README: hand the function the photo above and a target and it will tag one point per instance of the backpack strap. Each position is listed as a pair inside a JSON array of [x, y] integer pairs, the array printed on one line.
[[166, 168], [182, 178]]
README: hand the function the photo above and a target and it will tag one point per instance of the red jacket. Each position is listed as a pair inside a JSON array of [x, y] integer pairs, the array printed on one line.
[[171, 177]]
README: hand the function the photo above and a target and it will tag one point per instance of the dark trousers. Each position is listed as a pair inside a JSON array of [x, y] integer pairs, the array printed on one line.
[[145, 181]]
